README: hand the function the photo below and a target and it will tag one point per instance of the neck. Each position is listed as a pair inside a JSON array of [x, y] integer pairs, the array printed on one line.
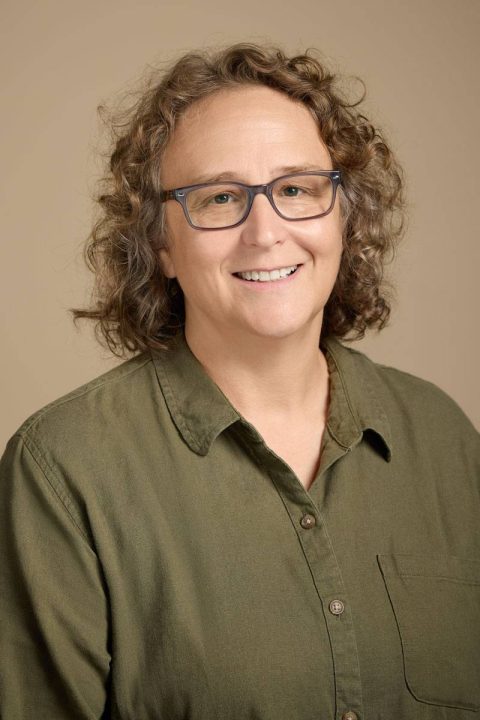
[[278, 377]]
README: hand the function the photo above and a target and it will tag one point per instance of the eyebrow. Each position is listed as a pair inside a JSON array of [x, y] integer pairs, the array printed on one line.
[[235, 177]]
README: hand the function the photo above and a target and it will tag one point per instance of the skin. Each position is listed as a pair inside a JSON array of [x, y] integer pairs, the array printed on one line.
[[254, 339]]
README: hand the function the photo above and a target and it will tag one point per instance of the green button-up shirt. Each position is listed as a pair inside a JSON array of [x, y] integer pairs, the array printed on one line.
[[160, 562]]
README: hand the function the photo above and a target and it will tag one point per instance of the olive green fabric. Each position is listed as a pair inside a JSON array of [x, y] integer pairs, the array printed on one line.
[[160, 562]]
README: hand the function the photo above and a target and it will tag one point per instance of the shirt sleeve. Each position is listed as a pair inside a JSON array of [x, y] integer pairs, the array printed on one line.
[[54, 658]]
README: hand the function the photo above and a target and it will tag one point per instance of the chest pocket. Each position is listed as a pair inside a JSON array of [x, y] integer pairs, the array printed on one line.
[[436, 602]]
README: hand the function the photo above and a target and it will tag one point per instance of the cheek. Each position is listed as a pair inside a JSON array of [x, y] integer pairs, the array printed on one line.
[[326, 243], [196, 265], [333, 236]]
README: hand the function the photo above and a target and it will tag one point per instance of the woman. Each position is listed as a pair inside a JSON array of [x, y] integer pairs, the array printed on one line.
[[247, 519]]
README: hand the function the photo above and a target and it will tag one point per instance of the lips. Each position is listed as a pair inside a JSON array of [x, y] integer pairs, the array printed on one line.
[[279, 273]]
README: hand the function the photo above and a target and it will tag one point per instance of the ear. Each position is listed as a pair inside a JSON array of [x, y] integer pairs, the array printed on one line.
[[167, 263]]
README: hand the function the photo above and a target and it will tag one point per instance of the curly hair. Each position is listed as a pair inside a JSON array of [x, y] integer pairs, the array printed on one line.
[[134, 305]]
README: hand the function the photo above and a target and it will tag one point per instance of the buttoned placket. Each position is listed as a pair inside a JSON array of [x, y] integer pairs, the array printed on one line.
[[311, 529]]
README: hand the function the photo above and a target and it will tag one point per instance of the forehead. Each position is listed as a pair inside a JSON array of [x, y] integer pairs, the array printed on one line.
[[246, 130]]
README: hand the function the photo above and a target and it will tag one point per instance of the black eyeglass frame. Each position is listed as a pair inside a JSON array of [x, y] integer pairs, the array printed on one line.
[[180, 195]]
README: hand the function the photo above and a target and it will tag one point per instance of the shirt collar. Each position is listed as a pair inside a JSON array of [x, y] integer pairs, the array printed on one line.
[[355, 409], [200, 411], [196, 404]]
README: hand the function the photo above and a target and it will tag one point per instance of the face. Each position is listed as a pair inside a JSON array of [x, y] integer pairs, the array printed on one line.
[[255, 134]]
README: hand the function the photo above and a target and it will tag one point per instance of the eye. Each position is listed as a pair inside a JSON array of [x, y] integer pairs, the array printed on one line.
[[221, 198], [213, 197], [291, 191]]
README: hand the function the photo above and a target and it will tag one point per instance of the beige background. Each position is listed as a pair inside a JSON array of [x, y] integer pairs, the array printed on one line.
[[420, 60]]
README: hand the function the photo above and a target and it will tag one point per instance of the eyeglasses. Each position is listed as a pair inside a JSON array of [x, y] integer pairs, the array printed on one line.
[[220, 205]]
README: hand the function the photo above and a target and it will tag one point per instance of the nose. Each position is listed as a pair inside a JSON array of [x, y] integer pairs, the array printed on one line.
[[263, 227]]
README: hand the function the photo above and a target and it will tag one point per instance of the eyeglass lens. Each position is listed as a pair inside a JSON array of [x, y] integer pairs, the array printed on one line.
[[295, 198]]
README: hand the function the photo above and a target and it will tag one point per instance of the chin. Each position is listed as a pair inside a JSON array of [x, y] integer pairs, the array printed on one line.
[[278, 331], [282, 325]]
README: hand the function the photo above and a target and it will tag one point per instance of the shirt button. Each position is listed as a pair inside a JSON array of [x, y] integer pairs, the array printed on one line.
[[350, 715], [308, 521], [337, 607]]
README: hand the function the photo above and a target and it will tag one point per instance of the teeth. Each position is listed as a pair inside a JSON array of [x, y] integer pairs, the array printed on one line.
[[265, 276]]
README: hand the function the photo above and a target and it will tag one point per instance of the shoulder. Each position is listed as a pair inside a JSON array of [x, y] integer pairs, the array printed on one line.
[[99, 402], [412, 404], [418, 397], [75, 448], [88, 451]]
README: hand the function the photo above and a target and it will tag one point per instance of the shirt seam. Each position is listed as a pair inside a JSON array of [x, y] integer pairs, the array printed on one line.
[[460, 581], [93, 385], [57, 490]]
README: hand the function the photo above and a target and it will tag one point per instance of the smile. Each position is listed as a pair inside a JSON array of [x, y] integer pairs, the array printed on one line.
[[267, 275]]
